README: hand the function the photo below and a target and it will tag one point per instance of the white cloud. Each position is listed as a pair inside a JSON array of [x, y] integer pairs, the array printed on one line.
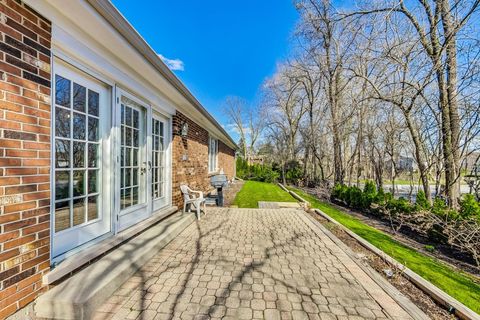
[[173, 64], [233, 128]]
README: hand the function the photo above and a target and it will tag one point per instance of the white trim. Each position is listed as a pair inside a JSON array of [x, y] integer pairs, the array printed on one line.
[[108, 43]]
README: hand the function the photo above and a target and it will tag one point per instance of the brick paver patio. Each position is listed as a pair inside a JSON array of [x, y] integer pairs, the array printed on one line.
[[251, 263]]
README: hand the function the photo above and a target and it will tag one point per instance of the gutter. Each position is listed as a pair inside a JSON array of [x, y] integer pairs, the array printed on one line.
[[107, 10]]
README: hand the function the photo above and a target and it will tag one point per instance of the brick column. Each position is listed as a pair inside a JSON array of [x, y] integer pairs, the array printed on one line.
[[24, 154]]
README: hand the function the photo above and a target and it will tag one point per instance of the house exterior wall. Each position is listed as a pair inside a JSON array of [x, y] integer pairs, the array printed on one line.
[[24, 154], [190, 158], [25, 157]]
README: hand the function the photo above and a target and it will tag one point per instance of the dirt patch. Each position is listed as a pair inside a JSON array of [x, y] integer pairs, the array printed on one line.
[[398, 280], [231, 192]]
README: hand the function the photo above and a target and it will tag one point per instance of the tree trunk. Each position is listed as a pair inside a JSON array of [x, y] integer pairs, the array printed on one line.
[[453, 158], [419, 156]]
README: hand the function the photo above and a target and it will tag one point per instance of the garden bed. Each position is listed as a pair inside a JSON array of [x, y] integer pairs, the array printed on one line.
[[454, 282], [455, 258], [403, 284]]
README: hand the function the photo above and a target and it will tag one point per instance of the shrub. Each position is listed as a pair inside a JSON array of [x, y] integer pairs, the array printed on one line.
[[439, 207], [421, 201], [369, 194], [400, 205], [257, 172], [469, 207]]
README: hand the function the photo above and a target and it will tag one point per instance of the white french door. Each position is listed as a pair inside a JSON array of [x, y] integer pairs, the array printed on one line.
[[160, 163], [134, 163], [81, 159]]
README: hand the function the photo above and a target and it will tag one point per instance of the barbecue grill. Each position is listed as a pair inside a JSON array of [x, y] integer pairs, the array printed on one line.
[[219, 181]]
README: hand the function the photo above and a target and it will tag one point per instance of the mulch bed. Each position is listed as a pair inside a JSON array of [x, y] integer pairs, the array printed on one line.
[[403, 284]]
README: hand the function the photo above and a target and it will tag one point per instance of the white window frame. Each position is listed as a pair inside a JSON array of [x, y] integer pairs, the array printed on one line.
[[212, 155]]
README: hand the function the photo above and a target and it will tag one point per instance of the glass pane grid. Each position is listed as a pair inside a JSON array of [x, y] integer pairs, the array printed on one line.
[[130, 149], [158, 159], [76, 159]]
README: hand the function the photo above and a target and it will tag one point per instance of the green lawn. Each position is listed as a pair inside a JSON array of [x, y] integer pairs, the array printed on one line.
[[457, 284], [254, 191]]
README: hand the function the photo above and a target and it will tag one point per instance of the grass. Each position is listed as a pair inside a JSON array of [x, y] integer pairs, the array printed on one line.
[[254, 191], [457, 284]]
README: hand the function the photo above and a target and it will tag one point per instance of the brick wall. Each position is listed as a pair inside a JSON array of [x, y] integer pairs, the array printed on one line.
[[24, 154], [193, 170]]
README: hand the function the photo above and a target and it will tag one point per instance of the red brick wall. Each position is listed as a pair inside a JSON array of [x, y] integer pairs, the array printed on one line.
[[193, 170], [24, 154]]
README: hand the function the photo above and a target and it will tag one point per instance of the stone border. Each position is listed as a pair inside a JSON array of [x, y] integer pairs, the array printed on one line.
[[305, 203], [450, 303]]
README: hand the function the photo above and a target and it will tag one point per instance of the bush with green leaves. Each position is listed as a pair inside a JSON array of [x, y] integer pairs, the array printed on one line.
[[469, 207], [421, 201], [257, 172]]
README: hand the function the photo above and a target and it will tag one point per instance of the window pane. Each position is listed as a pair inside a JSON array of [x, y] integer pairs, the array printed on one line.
[[79, 210], [62, 153], [93, 103], [136, 122], [135, 177], [78, 154], [134, 195], [92, 155], [62, 216], [62, 185], [122, 178], [127, 200], [128, 116], [92, 208], [62, 91], [136, 138], [92, 129], [62, 122], [128, 136], [78, 183], [122, 199], [128, 156], [79, 97], [92, 181], [135, 157], [128, 181], [79, 126]]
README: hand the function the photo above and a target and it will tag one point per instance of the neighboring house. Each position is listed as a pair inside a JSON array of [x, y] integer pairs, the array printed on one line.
[[402, 164], [471, 162], [96, 135]]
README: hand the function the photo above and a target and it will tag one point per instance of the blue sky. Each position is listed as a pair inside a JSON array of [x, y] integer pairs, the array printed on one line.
[[226, 47]]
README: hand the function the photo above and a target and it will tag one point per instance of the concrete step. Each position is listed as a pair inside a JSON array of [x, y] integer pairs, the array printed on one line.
[[79, 296]]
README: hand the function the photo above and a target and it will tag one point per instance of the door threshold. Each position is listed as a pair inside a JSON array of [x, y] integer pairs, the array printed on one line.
[[84, 257]]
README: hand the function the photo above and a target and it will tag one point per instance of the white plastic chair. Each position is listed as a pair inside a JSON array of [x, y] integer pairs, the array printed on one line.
[[192, 197]]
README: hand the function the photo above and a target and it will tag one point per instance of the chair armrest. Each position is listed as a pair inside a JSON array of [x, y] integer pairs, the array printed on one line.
[[200, 193]]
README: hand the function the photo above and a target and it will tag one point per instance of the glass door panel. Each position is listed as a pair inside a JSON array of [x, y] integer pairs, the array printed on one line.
[[133, 162], [81, 122], [160, 141]]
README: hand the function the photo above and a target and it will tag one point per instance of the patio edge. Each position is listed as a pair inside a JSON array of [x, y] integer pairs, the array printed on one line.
[[79, 296]]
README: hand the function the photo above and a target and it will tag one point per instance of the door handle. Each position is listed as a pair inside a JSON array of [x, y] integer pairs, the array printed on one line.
[[143, 169]]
